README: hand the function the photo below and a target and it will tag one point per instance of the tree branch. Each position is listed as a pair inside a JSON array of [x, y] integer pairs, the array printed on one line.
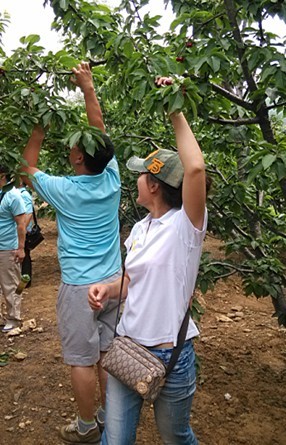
[[259, 107], [235, 122], [222, 214], [133, 202], [231, 13], [196, 30], [281, 104], [144, 139], [217, 172], [232, 97], [231, 266]]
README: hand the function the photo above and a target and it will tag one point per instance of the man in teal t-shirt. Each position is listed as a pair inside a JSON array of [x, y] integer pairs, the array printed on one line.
[[88, 250], [12, 239]]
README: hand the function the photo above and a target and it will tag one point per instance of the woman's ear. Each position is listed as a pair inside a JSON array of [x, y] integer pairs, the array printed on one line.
[[154, 186]]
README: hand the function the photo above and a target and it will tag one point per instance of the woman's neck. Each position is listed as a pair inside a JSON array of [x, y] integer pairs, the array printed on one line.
[[159, 210]]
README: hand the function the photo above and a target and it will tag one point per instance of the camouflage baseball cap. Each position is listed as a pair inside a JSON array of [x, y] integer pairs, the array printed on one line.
[[164, 164]]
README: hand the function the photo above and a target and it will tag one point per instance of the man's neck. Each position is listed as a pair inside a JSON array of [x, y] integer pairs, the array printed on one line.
[[82, 170]]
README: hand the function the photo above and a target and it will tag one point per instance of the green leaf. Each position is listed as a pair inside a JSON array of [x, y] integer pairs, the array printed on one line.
[[200, 62], [88, 143], [280, 170], [214, 63], [193, 106], [91, 44], [139, 91], [128, 48], [36, 98], [176, 102], [33, 38], [68, 61], [47, 118], [268, 160], [25, 92], [62, 115], [64, 4], [254, 172], [73, 140], [204, 285]]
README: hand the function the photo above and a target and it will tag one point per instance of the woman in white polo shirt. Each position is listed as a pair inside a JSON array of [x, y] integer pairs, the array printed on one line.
[[162, 262]]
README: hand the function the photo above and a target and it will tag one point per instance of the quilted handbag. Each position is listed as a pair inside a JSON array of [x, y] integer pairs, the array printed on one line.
[[136, 367]]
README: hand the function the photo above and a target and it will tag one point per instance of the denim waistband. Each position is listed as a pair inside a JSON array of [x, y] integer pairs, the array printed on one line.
[[154, 348]]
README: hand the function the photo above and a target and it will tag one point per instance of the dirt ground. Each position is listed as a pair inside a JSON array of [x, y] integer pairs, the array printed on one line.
[[241, 392]]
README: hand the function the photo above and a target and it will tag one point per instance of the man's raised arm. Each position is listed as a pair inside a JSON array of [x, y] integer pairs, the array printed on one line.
[[83, 79], [31, 153]]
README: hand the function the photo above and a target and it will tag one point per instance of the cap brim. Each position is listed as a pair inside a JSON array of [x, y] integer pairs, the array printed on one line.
[[136, 164]]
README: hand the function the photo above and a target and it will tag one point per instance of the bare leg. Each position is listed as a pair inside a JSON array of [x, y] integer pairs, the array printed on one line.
[[83, 383], [102, 377]]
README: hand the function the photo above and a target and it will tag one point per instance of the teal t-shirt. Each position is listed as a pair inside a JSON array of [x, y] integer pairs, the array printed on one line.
[[28, 200], [87, 220], [11, 205]]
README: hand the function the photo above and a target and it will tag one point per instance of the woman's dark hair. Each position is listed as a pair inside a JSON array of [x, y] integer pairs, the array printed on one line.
[[173, 196], [209, 182], [103, 154], [170, 195]]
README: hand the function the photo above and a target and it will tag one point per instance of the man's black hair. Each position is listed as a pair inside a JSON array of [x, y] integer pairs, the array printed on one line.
[[103, 154], [4, 170]]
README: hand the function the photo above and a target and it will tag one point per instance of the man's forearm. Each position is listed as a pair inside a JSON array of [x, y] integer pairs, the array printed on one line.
[[33, 147], [21, 231], [93, 110], [31, 154], [83, 79], [28, 219]]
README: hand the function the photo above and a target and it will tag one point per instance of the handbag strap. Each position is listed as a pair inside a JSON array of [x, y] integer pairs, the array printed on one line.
[[181, 335], [2, 196], [180, 343], [35, 217], [120, 301]]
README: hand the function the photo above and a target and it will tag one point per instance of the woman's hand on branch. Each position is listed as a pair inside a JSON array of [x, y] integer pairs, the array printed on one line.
[[163, 81]]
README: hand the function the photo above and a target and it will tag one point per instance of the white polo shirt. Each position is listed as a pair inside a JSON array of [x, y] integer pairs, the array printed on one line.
[[162, 263]]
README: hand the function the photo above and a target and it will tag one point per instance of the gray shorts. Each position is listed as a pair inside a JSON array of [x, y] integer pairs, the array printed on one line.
[[84, 333]]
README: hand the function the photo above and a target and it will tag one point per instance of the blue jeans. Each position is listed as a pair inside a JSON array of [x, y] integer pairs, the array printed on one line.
[[172, 407]]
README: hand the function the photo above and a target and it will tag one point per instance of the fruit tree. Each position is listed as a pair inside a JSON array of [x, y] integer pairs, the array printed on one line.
[[230, 80]]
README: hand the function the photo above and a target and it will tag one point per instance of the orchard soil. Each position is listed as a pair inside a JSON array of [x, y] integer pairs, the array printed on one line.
[[241, 391]]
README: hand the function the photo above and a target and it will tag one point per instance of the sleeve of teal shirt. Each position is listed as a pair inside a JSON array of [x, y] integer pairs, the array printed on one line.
[[28, 201], [48, 187], [16, 203]]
